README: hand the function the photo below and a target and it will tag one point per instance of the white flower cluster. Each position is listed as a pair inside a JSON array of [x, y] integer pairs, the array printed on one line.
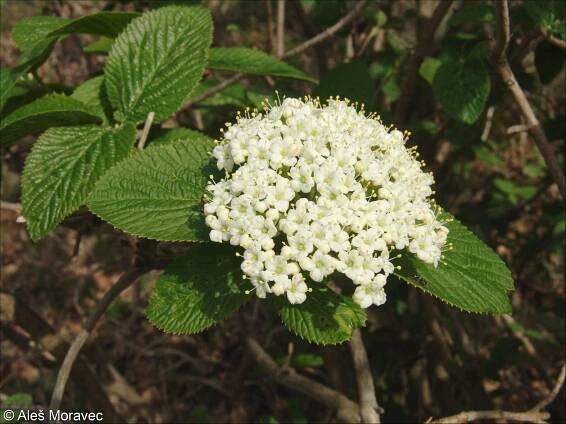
[[311, 190]]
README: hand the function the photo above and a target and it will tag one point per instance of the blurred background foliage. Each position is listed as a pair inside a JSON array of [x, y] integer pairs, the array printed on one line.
[[428, 359]]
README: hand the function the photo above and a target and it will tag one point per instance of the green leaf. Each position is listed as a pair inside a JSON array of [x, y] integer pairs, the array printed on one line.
[[18, 399], [470, 276], [384, 65], [428, 68], [92, 93], [155, 63], [548, 14], [102, 45], [462, 87], [325, 317], [301, 360], [397, 44], [514, 192], [391, 90], [50, 111], [16, 403], [157, 193], [252, 61], [233, 95], [198, 289], [109, 24], [163, 136], [464, 47], [549, 61], [37, 35], [487, 155], [8, 79], [25, 92], [31, 59], [27, 33], [475, 13], [423, 126], [307, 360], [351, 80], [62, 169]]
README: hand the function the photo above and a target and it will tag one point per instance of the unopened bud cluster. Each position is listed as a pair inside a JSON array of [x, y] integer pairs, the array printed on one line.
[[311, 190]]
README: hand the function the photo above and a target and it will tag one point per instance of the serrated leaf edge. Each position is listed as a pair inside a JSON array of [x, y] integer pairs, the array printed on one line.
[[24, 182], [134, 152]]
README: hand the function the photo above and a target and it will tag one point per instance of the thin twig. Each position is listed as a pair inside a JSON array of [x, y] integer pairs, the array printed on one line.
[[468, 416], [78, 240], [499, 60], [122, 284], [514, 129], [327, 33], [533, 415], [310, 31], [41, 338], [269, 12], [146, 128], [554, 40], [350, 49], [216, 89], [9, 206], [369, 36], [519, 334], [524, 44], [423, 46], [366, 390], [488, 123], [280, 28], [559, 383], [346, 410], [503, 34]]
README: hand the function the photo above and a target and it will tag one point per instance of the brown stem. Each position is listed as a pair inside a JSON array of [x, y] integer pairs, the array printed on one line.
[[145, 131], [346, 410], [9, 206], [280, 50], [556, 389], [499, 60], [426, 38], [503, 32], [122, 284], [554, 40], [519, 334], [269, 24], [52, 348], [533, 415], [327, 33], [310, 31], [366, 390], [468, 416], [216, 89]]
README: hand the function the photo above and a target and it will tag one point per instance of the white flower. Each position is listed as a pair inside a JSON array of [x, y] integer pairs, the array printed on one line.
[[320, 236], [338, 239], [296, 293], [311, 190], [300, 245], [280, 195], [369, 294], [319, 265], [301, 178], [223, 157]]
